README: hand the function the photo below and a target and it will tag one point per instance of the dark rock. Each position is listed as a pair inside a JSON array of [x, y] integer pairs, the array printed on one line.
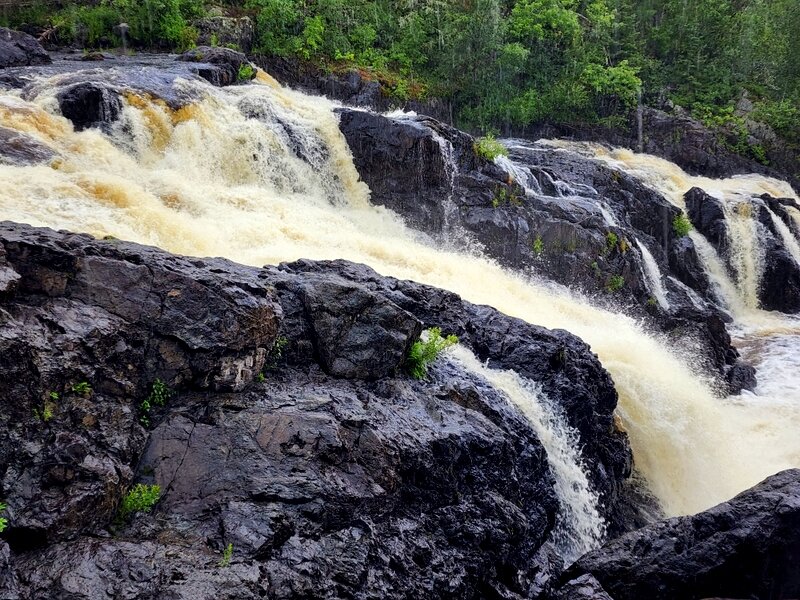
[[356, 333], [584, 587], [564, 216], [568, 372], [218, 66], [19, 49], [780, 281], [325, 487], [748, 547], [116, 316], [90, 104], [708, 216], [237, 32], [17, 148]]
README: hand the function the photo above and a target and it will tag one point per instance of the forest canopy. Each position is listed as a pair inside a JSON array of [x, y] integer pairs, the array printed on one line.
[[506, 64]]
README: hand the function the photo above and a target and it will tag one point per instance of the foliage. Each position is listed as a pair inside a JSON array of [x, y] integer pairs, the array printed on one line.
[[246, 72], [141, 498], [538, 246], [681, 225], [158, 396], [489, 148], [82, 388], [276, 354], [426, 350], [227, 555], [612, 239], [615, 283], [504, 65], [3, 520]]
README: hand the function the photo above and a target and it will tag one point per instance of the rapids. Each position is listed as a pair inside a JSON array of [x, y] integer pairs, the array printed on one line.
[[261, 174]]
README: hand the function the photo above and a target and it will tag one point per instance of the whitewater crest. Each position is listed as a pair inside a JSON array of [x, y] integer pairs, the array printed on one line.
[[261, 174]]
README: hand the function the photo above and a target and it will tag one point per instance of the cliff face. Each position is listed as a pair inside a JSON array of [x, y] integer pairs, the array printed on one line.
[[336, 475]]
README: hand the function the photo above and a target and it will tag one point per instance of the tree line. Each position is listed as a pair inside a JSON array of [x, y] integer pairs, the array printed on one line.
[[508, 64]]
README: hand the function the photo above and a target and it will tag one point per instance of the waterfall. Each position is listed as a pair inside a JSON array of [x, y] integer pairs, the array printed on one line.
[[653, 276], [521, 175], [579, 526], [745, 251], [261, 174], [789, 240]]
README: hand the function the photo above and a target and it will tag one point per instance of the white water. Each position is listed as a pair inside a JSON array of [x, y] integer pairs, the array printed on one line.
[[207, 181], [579, 526], [654, 277], [789, 240]]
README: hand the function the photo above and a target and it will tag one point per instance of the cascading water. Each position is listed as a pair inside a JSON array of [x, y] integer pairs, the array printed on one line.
[[579, 527], [790, 242], [261, 174], [654, 278]]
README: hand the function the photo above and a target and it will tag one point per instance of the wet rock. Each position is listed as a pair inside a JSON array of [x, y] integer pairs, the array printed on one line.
[[708, 216], [780, 281], [19, 49], [376, 486], [357, 334], [748, 547], [90, 104], [219, 66], [17, 148], [584, 587], [568, 372]]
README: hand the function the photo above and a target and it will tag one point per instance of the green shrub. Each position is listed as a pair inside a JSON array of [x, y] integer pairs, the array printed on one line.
[[425, 351], [489, 148], [615, 283], [681, 225], [3, 520], [141, 498], [82, 388], [227, 554], [158, 396], [612, 239], [538, 246], [276, 353], [246, 72]]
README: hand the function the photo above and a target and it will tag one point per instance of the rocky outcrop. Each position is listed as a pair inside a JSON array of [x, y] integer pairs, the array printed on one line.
[[747, 547], [352, 87], [570, 219], [236, 32], [19, 49], [219, 66], [90, 104], [18, 148], [708, 216], [331, 475]]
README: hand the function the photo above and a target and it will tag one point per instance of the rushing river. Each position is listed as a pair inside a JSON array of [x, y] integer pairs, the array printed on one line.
[[261, 174]]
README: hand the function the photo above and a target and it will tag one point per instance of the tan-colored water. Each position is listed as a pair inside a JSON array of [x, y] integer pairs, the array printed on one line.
[[209, 181]]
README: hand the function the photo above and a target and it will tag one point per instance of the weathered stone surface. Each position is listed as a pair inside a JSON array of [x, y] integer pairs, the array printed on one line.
[[90, 104], [19, 49], [707, 215], [236, 31], [562, 215], [218, 66], [374, 486], [17, 148], [748, 547]]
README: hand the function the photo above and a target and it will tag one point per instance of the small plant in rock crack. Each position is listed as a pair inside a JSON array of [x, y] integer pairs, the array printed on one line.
[[158, 396], [615, 284], [82, 389], [681, 225], [426, 350], [3, 520], [227, 555], [275, 355], [141, 498]]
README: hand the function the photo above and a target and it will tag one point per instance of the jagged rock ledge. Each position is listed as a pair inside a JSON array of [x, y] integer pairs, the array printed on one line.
[[337, 476]]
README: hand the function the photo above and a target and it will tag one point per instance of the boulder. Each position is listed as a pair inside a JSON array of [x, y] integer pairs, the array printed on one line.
[[238, 32], [708, 216], [18, 148], [219, 66], [90, 104], [19, 49], [748, 547]]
